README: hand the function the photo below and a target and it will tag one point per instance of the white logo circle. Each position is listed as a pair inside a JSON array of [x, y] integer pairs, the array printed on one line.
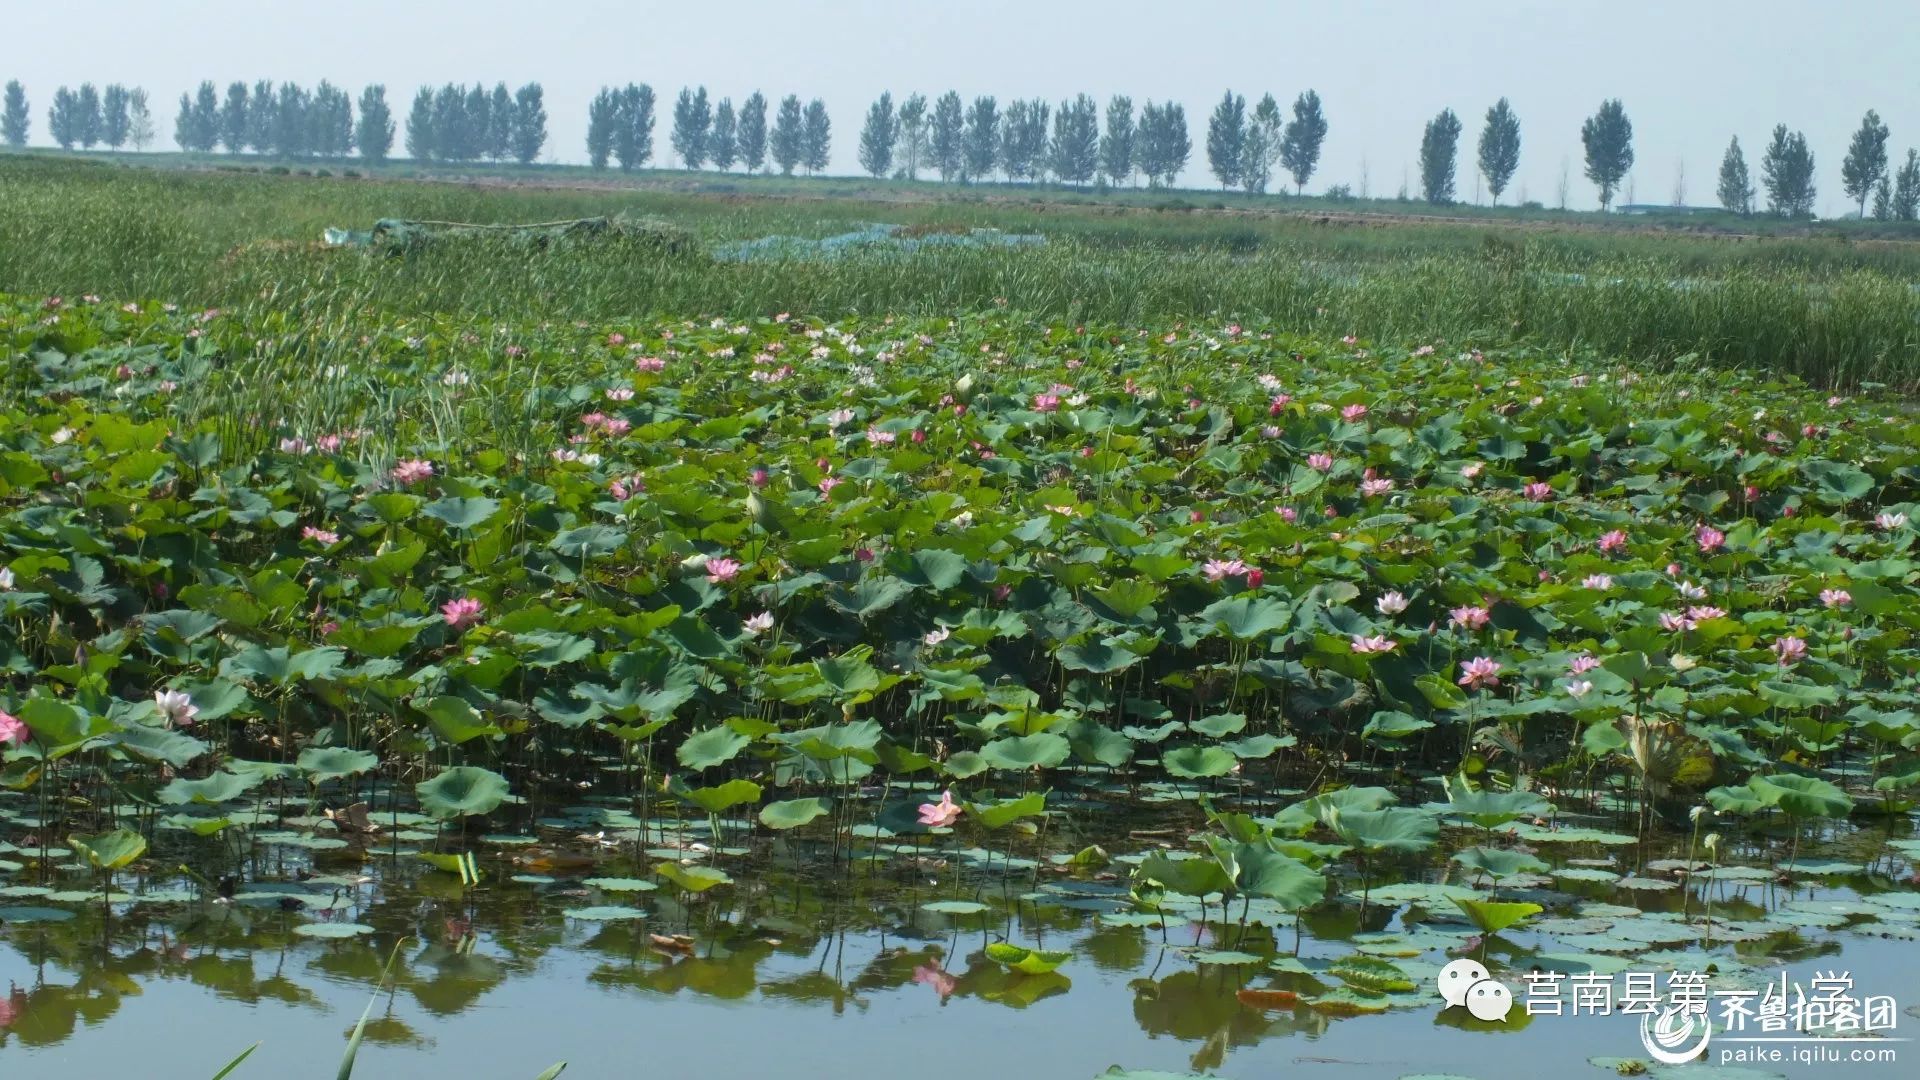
[[1489, 999], [1458, 977], [1666, 1039]]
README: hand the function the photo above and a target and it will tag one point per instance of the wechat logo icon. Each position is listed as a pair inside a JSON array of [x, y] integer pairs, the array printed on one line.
[[1467, 984]]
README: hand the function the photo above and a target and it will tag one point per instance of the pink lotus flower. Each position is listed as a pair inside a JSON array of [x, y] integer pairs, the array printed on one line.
[[1539, 491], [295, 445], [759, 477], [412, 471], [1371, 488], [319, 536], [176, 706], [722, 570], [1613, 541], [759, 624], [462, 613], [620, 393], [626, 487], [929, 975], [1836, 598], [1598, 582], [1392, 603], [828, 483], [1790, 650], [1469, 618], [1709, 538], [1287, 514], [1582, 664], [1471, 469], [649, 363], [1379, 643], [1579, 687], [1889, 522], [1320, 462], [1046, 402], [1479, 672], [1353, 412], [1256, 577], [1279, 404], [941, 814], [1675, 622], [879, 437], [1216, 569], [1703, 612], [936, 636], [12, 731]]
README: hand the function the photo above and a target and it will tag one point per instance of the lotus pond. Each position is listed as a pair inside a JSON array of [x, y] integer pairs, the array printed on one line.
[[974, 696]]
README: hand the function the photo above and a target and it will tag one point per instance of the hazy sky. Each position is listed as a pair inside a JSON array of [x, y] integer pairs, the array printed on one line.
[[1692, 73]]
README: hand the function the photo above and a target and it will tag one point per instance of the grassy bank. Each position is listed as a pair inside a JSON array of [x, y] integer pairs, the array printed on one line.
[[1831, 311]]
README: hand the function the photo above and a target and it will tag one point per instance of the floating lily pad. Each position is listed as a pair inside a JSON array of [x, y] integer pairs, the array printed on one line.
[[332, 930]]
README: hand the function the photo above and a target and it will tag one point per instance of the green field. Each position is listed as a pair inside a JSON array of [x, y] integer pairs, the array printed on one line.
[[1833, 311]]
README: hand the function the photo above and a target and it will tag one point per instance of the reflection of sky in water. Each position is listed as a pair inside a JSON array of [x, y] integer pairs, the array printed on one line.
[[598, 996]]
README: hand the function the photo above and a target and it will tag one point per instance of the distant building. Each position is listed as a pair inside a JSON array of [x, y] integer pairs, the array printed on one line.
[[1663, 208]]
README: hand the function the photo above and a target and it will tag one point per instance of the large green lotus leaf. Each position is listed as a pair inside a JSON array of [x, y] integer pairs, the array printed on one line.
[[694, 879], [793, 813], [850, 676], [1258, 747], [1246, 617], [1319, 809], [1096, 656], [714, 746], [1499, 862], [1219, 725], [462, 791], [1782, 694], [175, 748], [1198, 762], [1493, 916], [1802, 796], [721, 797], [1098, 744], [110, 850], [1370, 973], [588, 541], [1490, 809], [1390, 727], [1041, 750], [282, 667], [1395, 829], [1837, 482], [1006, 812], [1024, 960], [189, 624], [56, 723], [454, 719], [462, 513], [322, 764], [937, 568], [218, 788], [1269, 875], [1188, 877]]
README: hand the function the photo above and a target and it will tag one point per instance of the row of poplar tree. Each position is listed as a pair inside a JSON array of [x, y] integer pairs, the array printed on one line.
[[1026, 140], [1786, 169], [116, 117], [1787, 174], [450, 123]]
